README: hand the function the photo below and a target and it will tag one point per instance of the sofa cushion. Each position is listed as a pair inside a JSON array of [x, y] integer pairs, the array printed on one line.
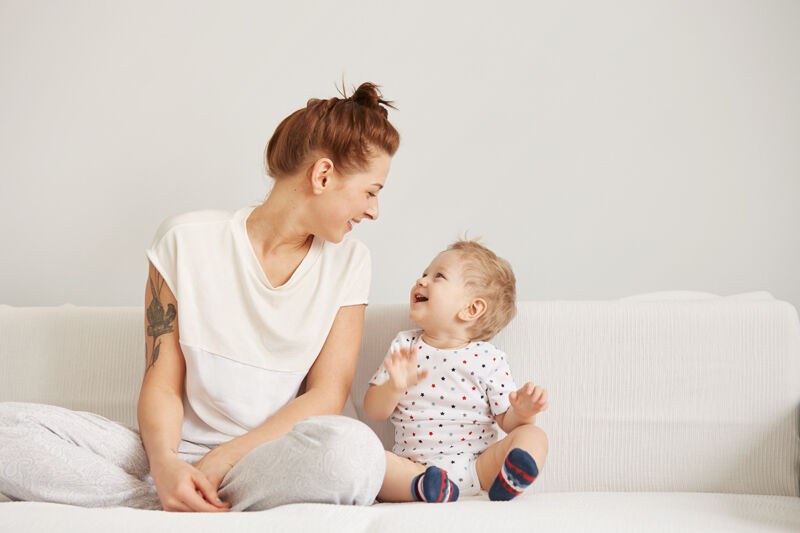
[[652, 395], [81, 358], [543, 513], [697, 395]]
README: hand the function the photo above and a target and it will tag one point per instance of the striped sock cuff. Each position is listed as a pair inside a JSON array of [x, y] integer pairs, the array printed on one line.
[[434, 486], [519, 470]]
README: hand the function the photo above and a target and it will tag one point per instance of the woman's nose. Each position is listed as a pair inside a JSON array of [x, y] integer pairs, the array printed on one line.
[[372, 212]]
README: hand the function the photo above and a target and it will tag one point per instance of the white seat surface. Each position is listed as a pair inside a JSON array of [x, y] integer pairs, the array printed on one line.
[[557, 512]]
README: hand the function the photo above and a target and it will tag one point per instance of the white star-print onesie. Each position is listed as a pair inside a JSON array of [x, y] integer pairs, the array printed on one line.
[[447, 419]]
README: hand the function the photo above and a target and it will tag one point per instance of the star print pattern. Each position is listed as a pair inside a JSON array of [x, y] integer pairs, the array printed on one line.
[[451, 411]]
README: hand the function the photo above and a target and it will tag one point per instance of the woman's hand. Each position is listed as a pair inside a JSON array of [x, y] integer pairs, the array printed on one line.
[[528, 400], [182, 487], [214, 465], [402, 368]]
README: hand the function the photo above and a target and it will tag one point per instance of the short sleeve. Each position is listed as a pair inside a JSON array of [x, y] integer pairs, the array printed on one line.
[[404, 338], [163, 253], [359, 276], [499, 384]]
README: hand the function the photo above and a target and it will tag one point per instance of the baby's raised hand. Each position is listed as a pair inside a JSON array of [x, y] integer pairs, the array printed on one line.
[[401, 365], [529, 400]]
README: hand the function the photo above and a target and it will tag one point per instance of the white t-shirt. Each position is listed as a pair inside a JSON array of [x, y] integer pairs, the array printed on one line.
[[451, 411], [248, 345]]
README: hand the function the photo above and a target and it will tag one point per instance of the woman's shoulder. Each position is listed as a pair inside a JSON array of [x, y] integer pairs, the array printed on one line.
[[192, 218]]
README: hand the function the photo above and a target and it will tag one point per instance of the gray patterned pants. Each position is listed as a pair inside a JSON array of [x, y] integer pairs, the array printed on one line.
[[52, 454]]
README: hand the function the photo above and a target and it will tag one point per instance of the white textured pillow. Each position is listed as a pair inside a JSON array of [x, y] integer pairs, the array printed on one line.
[[686, 296], [755, 296], [672, 295]]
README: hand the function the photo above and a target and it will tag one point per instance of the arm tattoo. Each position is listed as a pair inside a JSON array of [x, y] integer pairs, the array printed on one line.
[[159, 321]]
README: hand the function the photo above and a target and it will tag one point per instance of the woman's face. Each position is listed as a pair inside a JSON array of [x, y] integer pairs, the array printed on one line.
[[353, 198]]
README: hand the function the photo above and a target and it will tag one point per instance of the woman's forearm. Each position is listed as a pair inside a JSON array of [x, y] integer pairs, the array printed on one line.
[[160, 415], [380, 401]]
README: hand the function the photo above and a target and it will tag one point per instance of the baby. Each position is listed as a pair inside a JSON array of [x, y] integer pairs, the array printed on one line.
[[447, 390]]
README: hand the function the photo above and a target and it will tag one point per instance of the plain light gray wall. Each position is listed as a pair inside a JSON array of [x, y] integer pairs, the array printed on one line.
[[605, 148]]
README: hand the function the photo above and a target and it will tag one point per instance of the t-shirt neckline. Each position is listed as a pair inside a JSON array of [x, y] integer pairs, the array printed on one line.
[[305, 265], [455, 350]]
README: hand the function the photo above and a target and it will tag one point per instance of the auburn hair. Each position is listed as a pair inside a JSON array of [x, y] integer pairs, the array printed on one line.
[[489, 277], [349, 130]]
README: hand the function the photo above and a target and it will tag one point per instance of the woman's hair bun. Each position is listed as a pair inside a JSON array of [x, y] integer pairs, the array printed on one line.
[[350, 130], [369, 95]]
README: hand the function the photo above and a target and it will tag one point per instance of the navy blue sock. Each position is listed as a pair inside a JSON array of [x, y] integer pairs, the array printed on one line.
[[434, 486], [519, 470]]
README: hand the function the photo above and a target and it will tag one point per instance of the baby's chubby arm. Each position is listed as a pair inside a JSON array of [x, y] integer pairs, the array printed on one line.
[[526, 402], [401, 365]]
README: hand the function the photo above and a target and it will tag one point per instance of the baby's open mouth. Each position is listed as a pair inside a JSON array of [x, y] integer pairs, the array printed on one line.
[[419, 298]]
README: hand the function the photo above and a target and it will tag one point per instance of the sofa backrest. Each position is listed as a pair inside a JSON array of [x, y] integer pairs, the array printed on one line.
[[688, 395], [81, 358]]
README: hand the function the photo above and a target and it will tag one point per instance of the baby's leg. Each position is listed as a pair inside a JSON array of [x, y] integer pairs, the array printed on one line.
[[407, 481], [400, 472], [529, 446]]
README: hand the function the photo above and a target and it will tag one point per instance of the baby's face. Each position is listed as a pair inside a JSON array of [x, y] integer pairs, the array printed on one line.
[[440, 293]]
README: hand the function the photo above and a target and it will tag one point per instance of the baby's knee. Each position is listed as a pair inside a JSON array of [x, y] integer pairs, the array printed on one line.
[[533, 434], [529, 430]]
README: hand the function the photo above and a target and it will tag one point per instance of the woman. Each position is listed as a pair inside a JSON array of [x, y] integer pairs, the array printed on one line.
[[253, 323]]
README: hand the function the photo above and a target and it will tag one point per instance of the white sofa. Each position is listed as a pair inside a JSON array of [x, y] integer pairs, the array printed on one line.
[[668, 412]]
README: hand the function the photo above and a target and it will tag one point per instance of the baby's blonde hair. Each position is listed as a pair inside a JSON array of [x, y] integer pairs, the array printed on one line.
[[489, 277]]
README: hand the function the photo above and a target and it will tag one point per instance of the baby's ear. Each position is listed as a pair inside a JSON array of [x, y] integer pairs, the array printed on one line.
[[473, 311]]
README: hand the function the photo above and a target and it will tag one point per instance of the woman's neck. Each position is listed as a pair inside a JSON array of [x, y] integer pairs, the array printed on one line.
[[273, 227]]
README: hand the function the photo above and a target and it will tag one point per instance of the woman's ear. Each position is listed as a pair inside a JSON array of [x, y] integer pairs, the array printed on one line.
[[473, 311], [320, 175]]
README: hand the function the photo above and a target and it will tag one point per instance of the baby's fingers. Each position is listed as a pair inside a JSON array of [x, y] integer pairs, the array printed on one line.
[[408, 354], [543, 398], [524, 392], [421, 375], [398, 359], [536, 394], [390, 363], [401, 351]]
